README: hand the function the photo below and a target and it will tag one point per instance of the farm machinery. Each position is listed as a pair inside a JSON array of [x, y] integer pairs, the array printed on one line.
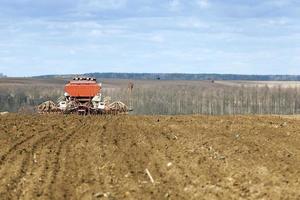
[[83, 96]]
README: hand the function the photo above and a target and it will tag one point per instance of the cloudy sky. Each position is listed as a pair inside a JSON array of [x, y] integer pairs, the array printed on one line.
[[190, 36]]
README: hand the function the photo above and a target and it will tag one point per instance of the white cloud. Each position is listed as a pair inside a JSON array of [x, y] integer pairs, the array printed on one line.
[[175, 5], [278, 22], [157, 38], [279, 3], [203, 3], [98, 5], [192, 23]]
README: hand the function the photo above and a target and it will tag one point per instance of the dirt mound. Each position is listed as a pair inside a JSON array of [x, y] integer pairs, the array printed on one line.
[[188, 157]]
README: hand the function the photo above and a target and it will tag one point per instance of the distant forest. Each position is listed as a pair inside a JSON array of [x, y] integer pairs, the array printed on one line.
[[181, 76], [211, 99], [204, 97]]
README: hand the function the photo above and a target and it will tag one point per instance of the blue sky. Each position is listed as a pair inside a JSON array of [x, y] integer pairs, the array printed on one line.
[[189, 36]]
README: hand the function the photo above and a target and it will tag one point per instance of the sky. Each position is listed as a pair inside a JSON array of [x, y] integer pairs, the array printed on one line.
[[167, 36]]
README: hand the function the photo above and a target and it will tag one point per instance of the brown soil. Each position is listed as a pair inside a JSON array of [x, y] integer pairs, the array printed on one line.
[[189, 157]]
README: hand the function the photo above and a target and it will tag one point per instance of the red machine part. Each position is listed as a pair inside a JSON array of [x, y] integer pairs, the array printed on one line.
[[82, 88]]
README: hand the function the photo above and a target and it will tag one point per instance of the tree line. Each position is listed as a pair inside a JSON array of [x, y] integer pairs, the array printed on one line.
[[211, 100], [199, 98], [26, 97], [183, 76]]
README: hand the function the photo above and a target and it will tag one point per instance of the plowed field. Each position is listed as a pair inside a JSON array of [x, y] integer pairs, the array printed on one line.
[[115, 157]]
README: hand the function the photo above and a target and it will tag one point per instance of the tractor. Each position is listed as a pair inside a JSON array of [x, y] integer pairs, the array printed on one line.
[[83, 96]]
